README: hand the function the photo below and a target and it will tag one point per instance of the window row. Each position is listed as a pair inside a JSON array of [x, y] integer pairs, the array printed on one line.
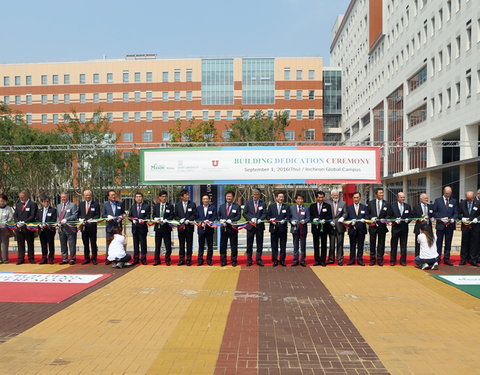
[[298, 74], [299, 94]]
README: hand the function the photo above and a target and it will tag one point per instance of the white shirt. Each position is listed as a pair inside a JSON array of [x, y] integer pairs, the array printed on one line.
[[427, 252], [116, 249]]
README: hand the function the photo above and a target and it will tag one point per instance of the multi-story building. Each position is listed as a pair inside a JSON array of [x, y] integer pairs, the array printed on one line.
[[411, 83], [332, 104], [143, 96]]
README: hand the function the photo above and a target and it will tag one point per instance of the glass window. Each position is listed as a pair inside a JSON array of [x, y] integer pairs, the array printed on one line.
[[165, 77], [189, 115], [109, 116], [96, 78], [177, 96], [299, 94], [28, 80], [109, 97], [44, 79], [176, 115], [66, 98], [310, 135], [18, 99], [55, 118], [226, 135], [246, 115], [417, 116], [311, 75], [188, 76], [311, 94], [332, 92], [82, 117], [109, 77], [96, 98], [55, 79], [311, 114], [82, 78], [149, 96], [44, 99], [286, 74], [125, 116], [299, 75], [148, 77], [6, 100], [28, 99], [218, 116], [189, 96], [29, 118], [205, 115], [125, 97], [147, 136], [55, 99], [299, 114], [165, 116], [66, 79], [6, 81], [270, 114], [125, 77], [289, 135], [166, 136], [217, 81], [137, 116], [149, 116], [258, 83], [229, 115], [137, 96], [287, 113], [82, 98], [165, 96], [418, 79], [128, 137], [44, 118], [176, 75], [18, 81], [287, 94], [137, 76]]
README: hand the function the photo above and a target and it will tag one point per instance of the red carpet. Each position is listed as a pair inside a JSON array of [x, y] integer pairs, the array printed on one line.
[[44, 288]]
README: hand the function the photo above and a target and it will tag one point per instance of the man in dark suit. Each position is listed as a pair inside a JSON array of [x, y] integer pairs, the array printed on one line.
[[445, 211], [280, 213], [163, 211], [87, 210], [299, 217], [320, 215], [112, 211], [25, 212], [228, 213], [337, 233], [255, 211], [357, 213], [67, 212], [206, 213], [401, 212], [379, 209], [47, 214], [477, 197], [469, 211], [139, 213], [185, 212], [422, 210]]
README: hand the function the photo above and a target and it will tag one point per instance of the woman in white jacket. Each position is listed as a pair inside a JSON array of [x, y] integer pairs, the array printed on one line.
[[116, 249], [428, 257], [6, 216]]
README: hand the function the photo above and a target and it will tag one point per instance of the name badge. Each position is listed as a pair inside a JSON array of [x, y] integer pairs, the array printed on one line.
[[92, 208], [189, 209], [324, 210], [450, 205], [119, 207], [260, 208], [142, 211], [362, 212], [27, 208], [5, 213], [234, 211], [167, 211], [68, 210], [475, 208], [209, 212], [430, 211], [302, 213], [340, 208], [406, 211], [49, 214], [384, 208], [285, 211]]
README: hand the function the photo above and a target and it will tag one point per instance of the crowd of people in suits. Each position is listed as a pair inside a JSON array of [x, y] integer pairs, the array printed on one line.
[[329, 221]]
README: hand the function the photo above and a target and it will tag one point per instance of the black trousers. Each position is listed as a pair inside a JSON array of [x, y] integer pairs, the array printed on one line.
[[447, 235], [278, 238], [185, 237], [469, 244], [357, 242], [163, 234], [25, 236], [401, 235], [320, 246], [227, 234], [255, 233], [89, 238], [139, 243], [47, 241], [377, 245], [205, 236]]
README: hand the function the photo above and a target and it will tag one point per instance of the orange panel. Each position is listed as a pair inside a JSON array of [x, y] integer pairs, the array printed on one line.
[[375, 21]]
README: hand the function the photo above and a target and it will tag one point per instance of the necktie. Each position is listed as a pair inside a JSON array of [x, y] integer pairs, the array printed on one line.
[[228, 209], [300, 218], [424, 206], [139, 208], [356, 209], [469, 208], [113, 207], [185, 207], [379, 207], [334, 208], [62, 213], [256, 206], [446, 202], [401, 209], [205, 211], [162, 210], [45, 211], [319, 208], [23, 206], [87, 207], [279, 208]]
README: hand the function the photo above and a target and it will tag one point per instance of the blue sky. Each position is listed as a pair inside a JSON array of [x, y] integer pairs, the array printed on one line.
[[54, 30]]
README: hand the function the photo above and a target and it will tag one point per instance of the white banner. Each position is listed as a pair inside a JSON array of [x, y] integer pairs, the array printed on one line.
[[56, 278], [462, 279]]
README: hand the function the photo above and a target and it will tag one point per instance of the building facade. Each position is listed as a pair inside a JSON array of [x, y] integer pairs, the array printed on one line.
[[411, 83], [143, 96]]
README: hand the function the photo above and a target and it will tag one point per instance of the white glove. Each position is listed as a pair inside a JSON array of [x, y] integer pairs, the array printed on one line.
[[253, 221], [182, 220], [187, 221], [302, 221], [229, 221], [444, 219], [341, 220], [315, 220], [81, 220], [2, 226], [223, 221], [110, 217], [332, 223], [464, 220], [140, 221], [322, 221], [282, 221], [64, 221], [397, 221], [374, 218], [362, 220], [452, 220], [293, 222], [407, 221], [156, 219], [475, 221], [134, 221]]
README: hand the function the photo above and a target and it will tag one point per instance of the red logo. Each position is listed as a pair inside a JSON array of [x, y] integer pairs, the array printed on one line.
[[215, 163]]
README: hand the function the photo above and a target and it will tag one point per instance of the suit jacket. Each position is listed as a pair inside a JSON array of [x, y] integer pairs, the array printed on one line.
[[144, 214], [28, 214], [249, 213], [304, 215], [71, 211], [51, 215], [418, 212], [324, 214], [440, 210], [284, 214], [93, 212], [190, 214], [359, 228], [407, 214], [463, 210], [211, 216], [341, 212], [235, 214], [107, 210], [385, 213], [167, 215]]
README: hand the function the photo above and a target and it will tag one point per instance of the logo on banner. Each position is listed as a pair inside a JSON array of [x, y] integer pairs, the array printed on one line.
[[215, 163]]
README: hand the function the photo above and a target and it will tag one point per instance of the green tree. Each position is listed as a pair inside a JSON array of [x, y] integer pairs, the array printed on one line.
[[203, 131], [259, 128]]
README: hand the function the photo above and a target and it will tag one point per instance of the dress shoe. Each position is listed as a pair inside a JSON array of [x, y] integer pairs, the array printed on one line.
[[294, 264], [403, 264], [351, 263], [282, 263], [209, 262], [360, 263], [20, 262], [1, 261], [475, 264], [181, 263], [72, 262], [316, 264], [259, 263], [156, 263], [340, 264], [5, 262], [144, 262], [323, 264], [463, 263], [372, 262], [135, 262], [234, 264], [380, 264], [64, 262], [249, 262], [223, 264], [200, 263], [108, 262], [50, 261], [392, 263], [188, 263], [32, 261], [43, 261], [86, 261], [167, 263], [330, 261], [447, 262], [303, 264], [94, 262], [275, 264]]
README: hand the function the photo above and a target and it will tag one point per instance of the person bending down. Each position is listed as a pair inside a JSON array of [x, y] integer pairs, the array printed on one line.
[[428, 257], [117, 249]]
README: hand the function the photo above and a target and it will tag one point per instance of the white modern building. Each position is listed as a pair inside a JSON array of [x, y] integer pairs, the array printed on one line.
[[411, 83]]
